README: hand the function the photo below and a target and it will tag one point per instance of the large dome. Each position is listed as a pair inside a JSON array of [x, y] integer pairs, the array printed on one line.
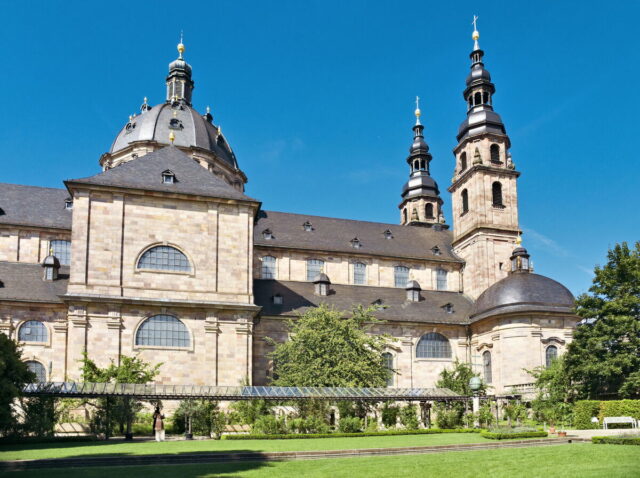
[[523, 292], [189, 128]]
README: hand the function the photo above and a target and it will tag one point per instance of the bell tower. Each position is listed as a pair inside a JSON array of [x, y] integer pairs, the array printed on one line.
[[421, 203], [484, 191]]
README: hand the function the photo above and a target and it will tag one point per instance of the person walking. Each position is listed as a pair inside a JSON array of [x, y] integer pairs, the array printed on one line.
[[158, 424]]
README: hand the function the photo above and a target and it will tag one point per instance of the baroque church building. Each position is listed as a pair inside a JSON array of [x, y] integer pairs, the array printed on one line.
[[164, 256]]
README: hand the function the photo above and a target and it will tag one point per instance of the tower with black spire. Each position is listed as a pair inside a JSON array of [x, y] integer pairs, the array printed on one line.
[[421, 203], [483, 189], [179, 82]]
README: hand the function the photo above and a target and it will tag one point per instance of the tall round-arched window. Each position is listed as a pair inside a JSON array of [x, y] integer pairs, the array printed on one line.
[[164, 258], [495, 153], [38, 370], [387, 359], [400, 276], [465, 201], [314, 267], [33, 331], [433, 345], [496, 194], [268, 267], [551, 355], [163, 331], [486, 366], [428, 211], [463, 161], [62, 250]]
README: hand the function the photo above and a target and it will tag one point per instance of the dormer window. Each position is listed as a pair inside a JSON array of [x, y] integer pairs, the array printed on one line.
[[129, 128], [168, 177], [68, 204], [355, 243], [448, 308], [387, 234], [277, 299], [267, 234], [307, 226], [175, 123], [436, 250]]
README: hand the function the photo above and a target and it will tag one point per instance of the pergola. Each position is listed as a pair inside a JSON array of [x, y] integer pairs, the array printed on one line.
[[183, 392]]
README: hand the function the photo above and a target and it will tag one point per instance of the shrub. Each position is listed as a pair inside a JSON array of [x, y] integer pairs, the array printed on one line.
[[509, 435], [206, 417], [408, 417], [308, 425], [430, 431], [583, 411], [448, 418], [269, 425], [620, 408], [350, 425], [621, 440], [390, 415]]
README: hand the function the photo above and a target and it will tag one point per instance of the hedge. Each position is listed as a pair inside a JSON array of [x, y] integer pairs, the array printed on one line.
[[620, 408], [583, 412], [616, 440], [289, 436], [506, 436], [59, 439]]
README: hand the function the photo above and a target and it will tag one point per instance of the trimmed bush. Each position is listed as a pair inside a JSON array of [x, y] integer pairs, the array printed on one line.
[[616, 440], [507, 436], [34, 440], [583, 411], [409, 417], [269, 425], [289, 436], [350, 425], [620, 408]]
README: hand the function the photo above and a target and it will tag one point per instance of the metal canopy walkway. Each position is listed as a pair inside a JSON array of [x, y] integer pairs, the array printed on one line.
[[181, 392]]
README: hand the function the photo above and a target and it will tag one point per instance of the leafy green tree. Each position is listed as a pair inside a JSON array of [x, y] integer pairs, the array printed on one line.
[[117, 411], [14, 374], [456, 379], [555, 391], [328, 348], [206, 417], [603, 360]]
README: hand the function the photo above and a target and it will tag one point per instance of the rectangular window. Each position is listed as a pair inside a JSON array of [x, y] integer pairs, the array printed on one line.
[[268, 267], [400, 276], [62, 250], [441, 280], [314, 268], [359, 273]]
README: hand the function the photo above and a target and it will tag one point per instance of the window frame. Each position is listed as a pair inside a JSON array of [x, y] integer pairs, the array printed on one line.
[[354, 273], [496, 193], [275, 266], [396, 268], [137, 269], [440, 273], [320, 262], [145, 319], [548, 363], [58, 255], [44, 370], [434, 336], [391, 379], [487, 367], [45, 342], [464, 196]]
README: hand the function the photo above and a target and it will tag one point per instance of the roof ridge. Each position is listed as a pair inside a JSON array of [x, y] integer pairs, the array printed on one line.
[[31, 186]]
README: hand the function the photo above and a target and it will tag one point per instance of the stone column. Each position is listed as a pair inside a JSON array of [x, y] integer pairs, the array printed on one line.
[[114, 328], [407, 346], [76, 339], [244, 333], [59, 344], [212, 332]]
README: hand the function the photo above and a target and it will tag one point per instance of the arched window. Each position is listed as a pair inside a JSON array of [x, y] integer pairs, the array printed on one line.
[[463, 161], [164, 258], [38, 369], [62, 250], [433, 345], [486, 365], [465, 201], [387, 359], [496, 194], [163, 331], [478, 98], [441, 279], [400, 276], [268, 267], [404, 215], [495, 153], [428, 211], [359, 273], [551, 355], [314, 267], [485, 97], [33, 331]]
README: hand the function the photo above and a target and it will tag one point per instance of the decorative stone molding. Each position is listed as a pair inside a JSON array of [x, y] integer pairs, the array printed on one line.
[[484, 345], [495, 337], [60, 326], [211, 324], [407, 341], [556, 340], [6, 326], [78, 315]]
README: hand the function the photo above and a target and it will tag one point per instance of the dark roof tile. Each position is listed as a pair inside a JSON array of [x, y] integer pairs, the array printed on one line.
[[34, 206], [23, 282]]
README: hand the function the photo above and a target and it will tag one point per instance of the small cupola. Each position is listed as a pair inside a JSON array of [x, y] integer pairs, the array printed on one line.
[[413, 291], [51, 266], [321, 284], [520, 258]]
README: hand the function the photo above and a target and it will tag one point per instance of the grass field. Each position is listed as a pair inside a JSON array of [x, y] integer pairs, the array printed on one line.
[[575, 460], [112, 447]]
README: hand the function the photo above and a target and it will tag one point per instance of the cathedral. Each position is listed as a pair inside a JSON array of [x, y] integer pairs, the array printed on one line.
[[163, 255]]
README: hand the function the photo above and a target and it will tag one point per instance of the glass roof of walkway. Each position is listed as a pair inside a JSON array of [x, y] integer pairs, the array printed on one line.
[[178, 392]]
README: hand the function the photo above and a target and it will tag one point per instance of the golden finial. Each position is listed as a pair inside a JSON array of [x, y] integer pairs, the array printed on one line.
[[175, 113], [172, 137], [417, 112], [181, 47], [476, 34], [51, 251], [130, 118], [219, 129], [519, 240]]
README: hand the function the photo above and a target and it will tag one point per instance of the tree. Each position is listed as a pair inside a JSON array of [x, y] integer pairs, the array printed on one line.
[[450, 415], [206, 417], [14, 374], [604, 358], [555, 390], [119, 411], [328, 348]]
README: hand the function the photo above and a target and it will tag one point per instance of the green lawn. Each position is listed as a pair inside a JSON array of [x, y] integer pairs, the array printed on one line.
[[112, 447], [576, 460]]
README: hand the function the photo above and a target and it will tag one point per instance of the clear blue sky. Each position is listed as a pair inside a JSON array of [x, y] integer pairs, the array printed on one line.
[[316, 98]]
